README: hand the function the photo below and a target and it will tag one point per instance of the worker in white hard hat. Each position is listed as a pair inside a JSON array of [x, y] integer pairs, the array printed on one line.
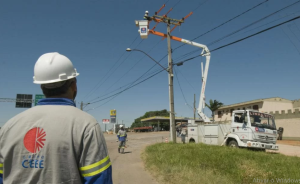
[[54, 142]]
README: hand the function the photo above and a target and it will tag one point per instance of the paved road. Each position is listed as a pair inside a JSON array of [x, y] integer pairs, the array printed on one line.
[[128, 168], [288, 150]]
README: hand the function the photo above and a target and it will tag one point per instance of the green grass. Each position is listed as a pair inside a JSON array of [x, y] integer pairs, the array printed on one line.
[[200, 163]]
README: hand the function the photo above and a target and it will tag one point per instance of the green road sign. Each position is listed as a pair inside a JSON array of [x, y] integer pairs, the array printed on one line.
[[37, 98]]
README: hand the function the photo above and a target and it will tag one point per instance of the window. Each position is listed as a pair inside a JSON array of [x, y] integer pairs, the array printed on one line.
[[238, 108], [231, 110], [239, 118], [255, 107], [261, 120], [219, 114]]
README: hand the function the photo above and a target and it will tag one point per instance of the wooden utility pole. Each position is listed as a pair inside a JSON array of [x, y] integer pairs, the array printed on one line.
[[171, 88], [81, 105], [144, 31], [195, 108]]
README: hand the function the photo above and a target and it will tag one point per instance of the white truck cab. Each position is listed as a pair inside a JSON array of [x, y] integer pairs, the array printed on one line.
[[252, 129], [248, 128]]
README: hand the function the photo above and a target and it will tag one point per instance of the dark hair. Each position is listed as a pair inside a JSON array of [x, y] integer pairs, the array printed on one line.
[[57, 91]]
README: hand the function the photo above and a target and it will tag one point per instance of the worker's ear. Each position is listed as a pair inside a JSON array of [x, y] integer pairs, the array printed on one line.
[[74, 88], [74, 85]]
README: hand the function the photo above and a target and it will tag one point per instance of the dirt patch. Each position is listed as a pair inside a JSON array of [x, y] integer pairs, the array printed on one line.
[[289, 142]]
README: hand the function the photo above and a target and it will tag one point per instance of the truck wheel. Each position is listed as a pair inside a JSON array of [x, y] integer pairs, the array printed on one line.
[[233, 144]]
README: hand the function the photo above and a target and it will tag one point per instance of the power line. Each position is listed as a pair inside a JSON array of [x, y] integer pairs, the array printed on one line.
[[107, 77], [196, 50], [120, 87], [181, 62], [200, 36], [204, 33], [180, 86], [297, 26], [201, 55], [128, 87], [140, 60], [131, 69], [108, 71], [103, 103], [200, 4], [290, 40], [289, 26], [134, 65], [178, 71], [252, 23], [165, 55], [176, 4], [172, 50], [269, 22], [225, 22]]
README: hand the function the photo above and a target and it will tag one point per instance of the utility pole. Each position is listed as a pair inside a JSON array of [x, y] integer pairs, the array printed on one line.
[[195, 108], [81, 105], [144, 31], [171, 89]]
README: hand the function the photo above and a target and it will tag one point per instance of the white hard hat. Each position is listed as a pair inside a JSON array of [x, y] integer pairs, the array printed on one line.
[[53, 67]]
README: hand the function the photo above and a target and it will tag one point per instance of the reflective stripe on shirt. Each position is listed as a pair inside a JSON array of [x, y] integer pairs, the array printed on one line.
[[95, 168], [1, 168]]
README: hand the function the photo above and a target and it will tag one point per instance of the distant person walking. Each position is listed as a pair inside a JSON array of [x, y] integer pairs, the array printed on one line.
[[280, 132], [183, 134], [122, 135]]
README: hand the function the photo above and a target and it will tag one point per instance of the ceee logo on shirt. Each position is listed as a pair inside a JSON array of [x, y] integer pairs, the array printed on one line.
[[34, 141]]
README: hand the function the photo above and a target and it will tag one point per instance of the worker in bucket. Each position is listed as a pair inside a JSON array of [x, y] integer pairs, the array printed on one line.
[[54, 142], [122, 135]]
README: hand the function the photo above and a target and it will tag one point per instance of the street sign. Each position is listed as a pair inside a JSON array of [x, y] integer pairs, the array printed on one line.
[[105, 121], [23, 101], [113, 116], [37, 98]]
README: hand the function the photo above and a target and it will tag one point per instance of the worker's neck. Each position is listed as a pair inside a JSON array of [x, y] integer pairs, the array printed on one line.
[[61, 96]]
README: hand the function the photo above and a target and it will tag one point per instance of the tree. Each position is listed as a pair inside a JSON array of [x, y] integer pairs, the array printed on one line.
[[137, 122], [213, 106]]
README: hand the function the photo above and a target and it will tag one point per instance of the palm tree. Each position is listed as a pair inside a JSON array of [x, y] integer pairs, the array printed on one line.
[[213, 106]]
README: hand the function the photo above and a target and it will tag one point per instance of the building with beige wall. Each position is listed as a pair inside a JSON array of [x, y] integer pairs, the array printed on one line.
[[286, 113]]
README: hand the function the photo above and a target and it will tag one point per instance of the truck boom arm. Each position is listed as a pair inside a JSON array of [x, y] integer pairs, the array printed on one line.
[[205, 53]]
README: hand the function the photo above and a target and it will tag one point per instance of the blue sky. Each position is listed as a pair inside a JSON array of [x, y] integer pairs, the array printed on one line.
[[94, 35]]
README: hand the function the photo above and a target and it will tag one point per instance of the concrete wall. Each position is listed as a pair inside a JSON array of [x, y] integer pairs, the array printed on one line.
[[296, 104], [291, 126], [269, 106]]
